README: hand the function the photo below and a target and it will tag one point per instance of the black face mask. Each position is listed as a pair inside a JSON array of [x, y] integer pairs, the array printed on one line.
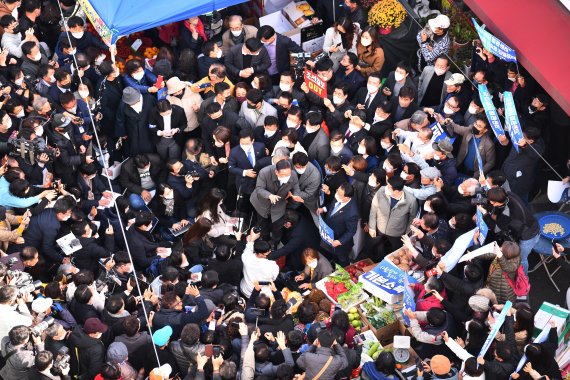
[[179, 96], [65, 86], [533, 108], [183, 171], [251, 107], [475, 131], [16, 30]]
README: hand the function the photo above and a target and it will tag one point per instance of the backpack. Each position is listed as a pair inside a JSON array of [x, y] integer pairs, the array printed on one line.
[[521, 285]]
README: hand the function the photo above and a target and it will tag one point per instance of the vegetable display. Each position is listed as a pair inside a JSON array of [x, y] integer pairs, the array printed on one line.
[[341, 289]]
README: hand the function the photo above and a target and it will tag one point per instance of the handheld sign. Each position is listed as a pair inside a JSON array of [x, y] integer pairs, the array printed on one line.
[[512, 119], [409, 302], [495, 45], [458, 249], [482, 226], [439, 133], [315, 84], [479, 159], [490, 111], [327, 234]]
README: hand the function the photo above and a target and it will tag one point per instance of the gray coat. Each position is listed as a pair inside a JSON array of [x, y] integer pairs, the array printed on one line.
[[323, 269], [18, 364], [315, 359], [486, 148], [228, 43], [309, 185], [392, 222], [320, 148], [268, 184], [425, 77]]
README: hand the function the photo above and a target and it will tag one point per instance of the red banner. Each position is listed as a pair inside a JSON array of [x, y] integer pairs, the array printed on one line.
[[315, 84]]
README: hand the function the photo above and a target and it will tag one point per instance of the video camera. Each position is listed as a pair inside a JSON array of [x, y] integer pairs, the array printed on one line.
[[480, 198], [29, 150], [61, 361]]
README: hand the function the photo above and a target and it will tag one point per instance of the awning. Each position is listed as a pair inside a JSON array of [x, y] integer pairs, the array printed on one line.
[[539, 31]]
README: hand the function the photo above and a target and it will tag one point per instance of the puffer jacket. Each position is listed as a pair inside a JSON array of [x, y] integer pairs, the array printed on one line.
[[19, 363], [496, 280], [185, 355]]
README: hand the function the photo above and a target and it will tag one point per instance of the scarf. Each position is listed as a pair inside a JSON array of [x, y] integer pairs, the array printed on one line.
[[199, 29]]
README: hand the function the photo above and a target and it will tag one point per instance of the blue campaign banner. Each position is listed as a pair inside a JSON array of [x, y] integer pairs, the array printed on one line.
[[389, 278], [512, 120], [498, 323], [327, 234], [490, 111], [495, 45], [439, 133], [409, 302], [483, 228], [162, 93], [479, 159]]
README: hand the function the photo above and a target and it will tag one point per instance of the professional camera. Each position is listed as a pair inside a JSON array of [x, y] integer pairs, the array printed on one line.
[[29, 150], [11, 262], [29, 288], [480, 198], [19, 278], [38, 329], [61, 360]]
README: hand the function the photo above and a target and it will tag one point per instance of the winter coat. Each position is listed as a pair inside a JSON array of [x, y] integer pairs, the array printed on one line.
[[496, 280], [20, 362], [315, 358], [373, 57], [178, 319], [87, 354], [135, 126], [392, 221], [87, 257], [184, 354], [188, 100]]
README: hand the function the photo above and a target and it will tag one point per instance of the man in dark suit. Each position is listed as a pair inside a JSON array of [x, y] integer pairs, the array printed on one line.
[[139, 177], [299, 233], [404, 105], [316, 141], [342, 217], [368, 98], [337, 107], [167, 122], [62, 84], [287, 84], [244, 60], [243, 163], [223, 97], [269, 134], [355, 131], [278, 47], [213, 119], [397, 79]]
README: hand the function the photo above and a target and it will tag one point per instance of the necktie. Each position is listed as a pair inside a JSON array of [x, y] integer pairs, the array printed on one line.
[[348, 133], [250, 157], [367, 102], [335, 209]]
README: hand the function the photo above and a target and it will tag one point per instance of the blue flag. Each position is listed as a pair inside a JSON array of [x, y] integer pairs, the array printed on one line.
[[162, 93], [495, 45], [439, 133], [483, 228], [512, 119], [490, 111], [479, 159], [498, 323], [409, 302], [327, 234]]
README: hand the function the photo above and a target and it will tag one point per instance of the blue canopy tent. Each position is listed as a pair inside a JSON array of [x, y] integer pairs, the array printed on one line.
[[116, 18]]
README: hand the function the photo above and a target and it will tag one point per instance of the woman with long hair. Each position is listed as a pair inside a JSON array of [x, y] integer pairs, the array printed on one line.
[[340, 39], [168, 207], [222, 231], [186, 67], [370, 52], [195, 241]]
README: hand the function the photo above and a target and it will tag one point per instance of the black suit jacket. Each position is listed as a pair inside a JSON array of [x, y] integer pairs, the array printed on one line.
[[413, 107], [259, 136], [303, 235], [238, 162], [283, 46], [343, 222], [178, 120], [130, 179], [234, 61], [360, 98]]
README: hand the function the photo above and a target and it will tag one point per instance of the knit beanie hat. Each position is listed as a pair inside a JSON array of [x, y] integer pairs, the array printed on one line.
[[440, 365]]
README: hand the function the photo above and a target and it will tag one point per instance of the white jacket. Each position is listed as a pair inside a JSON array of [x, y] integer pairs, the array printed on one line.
[[256, 269], [12, 317]]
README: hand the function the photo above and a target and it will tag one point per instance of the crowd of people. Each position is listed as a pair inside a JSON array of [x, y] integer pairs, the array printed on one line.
[[227, 165]]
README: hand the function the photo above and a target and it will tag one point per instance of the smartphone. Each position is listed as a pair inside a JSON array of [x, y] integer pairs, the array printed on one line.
[[205, 85], [257, 312], [218, 313], [292, 302], [159, 81], [357, 339], [419, 363], [263, 283], [216, 350], [209, 350], [554, 244]]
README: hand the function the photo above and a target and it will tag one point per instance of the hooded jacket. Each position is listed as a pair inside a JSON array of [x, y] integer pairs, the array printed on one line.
[[87, 354]]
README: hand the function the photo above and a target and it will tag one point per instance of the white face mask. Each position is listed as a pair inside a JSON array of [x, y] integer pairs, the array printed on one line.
[[21, 114], [404, 175], [372, 89], [336, 149], [73, 51], [291, 124], [361, 149], [37, 57], [169, 195], [254, 85], [387, 167], [8, 123], [338, 198], [378, 119], [83, 94], [311, 129], [365, 41], [78, 35], [439, 72], [427, 208], [512, 79], [72, 110], [472, 110], [447, 110], [52, 79], [312, 264], [236, 33], [284, 180], [436, 157], [284, 87], [530, 110], [219, 144], [337, 100], [138, 75], [269, 133], [245, 148], [137, 106], [387, 192], [19, 81], [385, 145], [372, 181], [300, 171], [39, 130], [99, 60], [398, 76], [353, 128], [219, 54]]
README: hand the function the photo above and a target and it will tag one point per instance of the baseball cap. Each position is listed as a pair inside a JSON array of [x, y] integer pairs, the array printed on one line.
[[441, 21], [94, 325], [443, 146], [59, 120], [430, 172], [40, 305], [455, 79], [161, 336]]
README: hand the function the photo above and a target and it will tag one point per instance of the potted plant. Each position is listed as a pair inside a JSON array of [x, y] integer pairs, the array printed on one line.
[[386, 15]]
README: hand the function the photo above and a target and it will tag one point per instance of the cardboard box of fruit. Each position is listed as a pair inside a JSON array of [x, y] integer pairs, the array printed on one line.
[[358, 268]]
